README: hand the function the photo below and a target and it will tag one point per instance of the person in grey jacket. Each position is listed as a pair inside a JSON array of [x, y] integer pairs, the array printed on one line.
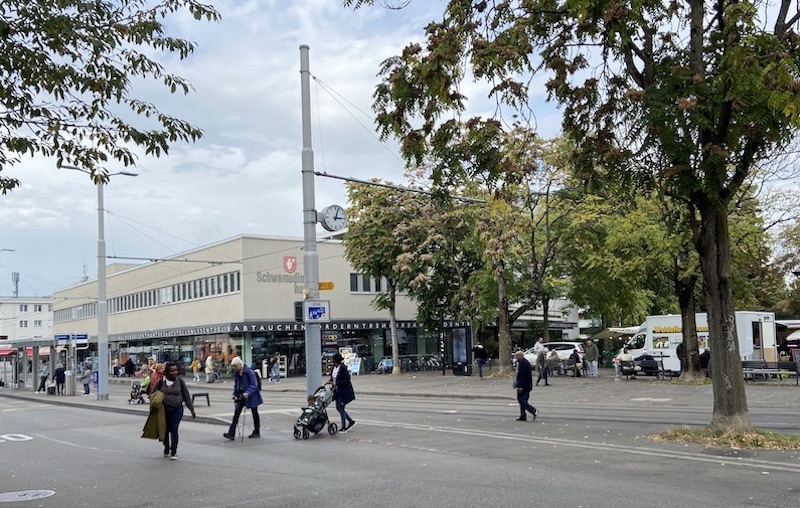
[[175, 396], [591, 355], [44, 373]]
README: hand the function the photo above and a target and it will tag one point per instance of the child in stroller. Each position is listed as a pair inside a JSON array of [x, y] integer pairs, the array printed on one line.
[[314, 417], [136, 392]]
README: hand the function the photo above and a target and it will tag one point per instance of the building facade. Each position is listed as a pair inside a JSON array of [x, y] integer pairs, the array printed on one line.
[[25, 317], [237, 297]]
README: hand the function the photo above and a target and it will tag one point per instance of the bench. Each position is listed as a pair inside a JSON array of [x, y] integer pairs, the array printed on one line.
[[201, 394], [569, 366], [753, 368], [554, 366], [628, 369], [653, 368]]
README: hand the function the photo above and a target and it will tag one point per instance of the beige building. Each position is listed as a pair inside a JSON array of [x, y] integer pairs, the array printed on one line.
[[237, 296]]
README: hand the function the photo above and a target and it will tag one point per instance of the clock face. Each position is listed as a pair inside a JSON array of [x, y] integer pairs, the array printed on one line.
[[334, 218]]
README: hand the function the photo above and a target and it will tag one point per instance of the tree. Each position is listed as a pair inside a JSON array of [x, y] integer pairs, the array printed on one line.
[[68, 69], [373, 244], [693, 93]]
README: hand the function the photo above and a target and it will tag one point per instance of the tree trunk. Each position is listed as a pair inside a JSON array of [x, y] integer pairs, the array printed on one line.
[[503, 323], [546, 318], [713, 245], [691, 368]]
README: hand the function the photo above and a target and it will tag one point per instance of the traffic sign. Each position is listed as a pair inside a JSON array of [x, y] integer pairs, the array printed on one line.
[[325, 286], [316, 311]]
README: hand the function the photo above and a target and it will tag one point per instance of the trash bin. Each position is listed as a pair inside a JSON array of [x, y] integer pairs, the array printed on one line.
[[69, 385], [462, 369]]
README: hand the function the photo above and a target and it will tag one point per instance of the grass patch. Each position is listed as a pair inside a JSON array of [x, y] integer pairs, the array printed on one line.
[[757, 439]]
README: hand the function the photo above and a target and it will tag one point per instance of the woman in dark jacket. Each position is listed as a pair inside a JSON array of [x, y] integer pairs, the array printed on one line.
[[343, 390], [175, 396]]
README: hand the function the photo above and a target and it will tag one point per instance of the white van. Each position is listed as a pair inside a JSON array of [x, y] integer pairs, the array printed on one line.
[[660, 336]]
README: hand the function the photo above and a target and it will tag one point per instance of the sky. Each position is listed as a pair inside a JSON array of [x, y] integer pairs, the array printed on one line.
[[244, 175]]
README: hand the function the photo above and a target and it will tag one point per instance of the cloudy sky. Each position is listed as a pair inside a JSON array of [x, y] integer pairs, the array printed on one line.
[[244, 175]]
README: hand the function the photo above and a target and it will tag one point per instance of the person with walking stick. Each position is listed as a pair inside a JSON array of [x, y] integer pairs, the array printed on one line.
[[245, 394]]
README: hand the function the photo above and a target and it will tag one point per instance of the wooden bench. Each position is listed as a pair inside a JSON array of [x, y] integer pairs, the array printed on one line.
[[569, 366], [201, 394], [753, 368], [653, 368], [628, 369]]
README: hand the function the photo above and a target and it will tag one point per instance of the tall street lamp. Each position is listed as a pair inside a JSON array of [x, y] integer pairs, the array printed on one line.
[[102, 303]]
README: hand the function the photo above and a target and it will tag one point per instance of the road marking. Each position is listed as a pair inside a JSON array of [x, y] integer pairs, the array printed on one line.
[[649, 452], [14, 437]]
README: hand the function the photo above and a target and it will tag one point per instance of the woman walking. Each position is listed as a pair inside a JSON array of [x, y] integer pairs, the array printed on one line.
[[175, 396], [61, 379], [342, 391]]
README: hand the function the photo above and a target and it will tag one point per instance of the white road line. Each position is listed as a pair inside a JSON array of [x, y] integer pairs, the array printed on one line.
[[649, 452]]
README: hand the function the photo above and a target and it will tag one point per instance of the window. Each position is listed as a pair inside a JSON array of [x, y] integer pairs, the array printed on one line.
[[37, 308], [23, 324], [23, 307], [354, 283], [37, 323]]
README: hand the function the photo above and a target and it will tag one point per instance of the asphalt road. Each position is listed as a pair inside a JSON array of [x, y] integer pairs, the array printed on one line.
[[405, 451]]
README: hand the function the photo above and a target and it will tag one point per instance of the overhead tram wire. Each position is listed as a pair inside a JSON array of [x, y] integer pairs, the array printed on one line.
[[335, 96], [331, 92], [396, 187]]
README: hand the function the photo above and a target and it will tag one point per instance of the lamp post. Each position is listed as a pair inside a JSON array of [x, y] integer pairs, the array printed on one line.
[[102, 303]]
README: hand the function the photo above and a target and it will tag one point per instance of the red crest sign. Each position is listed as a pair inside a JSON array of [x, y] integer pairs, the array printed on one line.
[[289, 264]]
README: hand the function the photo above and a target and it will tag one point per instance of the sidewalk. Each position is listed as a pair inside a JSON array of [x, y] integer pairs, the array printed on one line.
[[563, 390]]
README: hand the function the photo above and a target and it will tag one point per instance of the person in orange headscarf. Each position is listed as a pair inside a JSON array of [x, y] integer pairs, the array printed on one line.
[[155, 377]]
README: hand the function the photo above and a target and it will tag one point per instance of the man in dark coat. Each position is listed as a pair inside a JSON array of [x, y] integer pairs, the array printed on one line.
[[130, 367], [523, 382]]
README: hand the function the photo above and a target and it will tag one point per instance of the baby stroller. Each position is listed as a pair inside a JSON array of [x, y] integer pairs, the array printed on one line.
[[314, 416], [136, 392]]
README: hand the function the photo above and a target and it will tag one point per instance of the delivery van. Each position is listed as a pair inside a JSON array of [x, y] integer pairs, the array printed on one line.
[[660, 336]]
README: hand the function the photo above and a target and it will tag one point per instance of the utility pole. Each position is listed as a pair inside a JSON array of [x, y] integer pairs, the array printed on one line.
[[310, 257]]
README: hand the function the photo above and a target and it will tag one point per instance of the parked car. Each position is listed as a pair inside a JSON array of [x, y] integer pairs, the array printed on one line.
[[563, 349]]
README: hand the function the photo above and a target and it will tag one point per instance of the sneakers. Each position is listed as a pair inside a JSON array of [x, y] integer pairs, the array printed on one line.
[[254, 435], [535, 414], [352, 424], [166, 454], [522, 419], [229, 436], [173, 457]]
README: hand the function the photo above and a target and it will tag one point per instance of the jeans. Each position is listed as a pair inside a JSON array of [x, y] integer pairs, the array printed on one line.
[[343, 413], [240, 405], [480, 362], [42, 382], [173, 417], [592, 368], [86, 388], [524, 405]]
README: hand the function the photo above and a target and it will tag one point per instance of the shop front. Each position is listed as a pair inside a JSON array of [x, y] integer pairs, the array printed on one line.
[[257, 342]]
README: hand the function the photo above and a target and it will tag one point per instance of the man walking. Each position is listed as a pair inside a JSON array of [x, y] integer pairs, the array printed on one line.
[[523, 382], [590, 356], [481, 355]]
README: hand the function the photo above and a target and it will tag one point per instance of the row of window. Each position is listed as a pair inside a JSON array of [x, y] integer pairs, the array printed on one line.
[[201, 288], [37, 323], [37, 307], [360, 283]]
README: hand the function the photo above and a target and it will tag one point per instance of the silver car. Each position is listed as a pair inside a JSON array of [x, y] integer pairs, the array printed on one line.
[[563, 350]]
